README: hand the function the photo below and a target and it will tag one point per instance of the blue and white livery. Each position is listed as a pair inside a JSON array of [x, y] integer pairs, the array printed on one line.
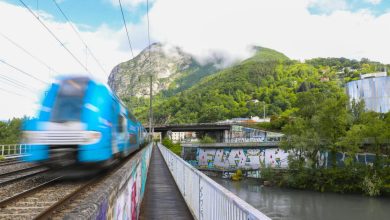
[[81, 121]]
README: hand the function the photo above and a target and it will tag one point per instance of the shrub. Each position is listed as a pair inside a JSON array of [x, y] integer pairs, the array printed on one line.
[[372, 185], [207, 140], [175, 148]]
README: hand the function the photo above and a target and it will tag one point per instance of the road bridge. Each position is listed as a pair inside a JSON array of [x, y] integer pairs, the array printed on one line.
[[214, 130], [220, 132]]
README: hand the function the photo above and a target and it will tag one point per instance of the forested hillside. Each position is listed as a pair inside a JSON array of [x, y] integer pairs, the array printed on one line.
[[268, 78]]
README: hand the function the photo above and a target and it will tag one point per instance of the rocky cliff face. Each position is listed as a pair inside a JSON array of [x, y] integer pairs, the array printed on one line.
[[166, 65]]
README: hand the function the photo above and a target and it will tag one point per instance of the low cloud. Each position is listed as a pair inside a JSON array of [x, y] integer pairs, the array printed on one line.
[[205, 28]]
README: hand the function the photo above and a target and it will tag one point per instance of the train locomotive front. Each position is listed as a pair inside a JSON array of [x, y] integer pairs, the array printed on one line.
[[81, 122]]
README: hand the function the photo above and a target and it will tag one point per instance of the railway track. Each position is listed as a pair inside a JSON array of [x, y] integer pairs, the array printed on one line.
[[20, 174], [11, 161], [41, 201]]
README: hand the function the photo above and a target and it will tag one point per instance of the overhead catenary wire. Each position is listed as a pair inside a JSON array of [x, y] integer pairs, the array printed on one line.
[[28, 53], [14, 82], [55, 36], [79, 36], [22, 71], [127, 32], [11, 92]]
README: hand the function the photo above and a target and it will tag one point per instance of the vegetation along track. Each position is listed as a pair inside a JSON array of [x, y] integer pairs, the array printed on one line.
[[40, 202], [16, 175]]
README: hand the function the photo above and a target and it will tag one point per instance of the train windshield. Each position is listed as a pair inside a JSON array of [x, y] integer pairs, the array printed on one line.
[[69, 102]]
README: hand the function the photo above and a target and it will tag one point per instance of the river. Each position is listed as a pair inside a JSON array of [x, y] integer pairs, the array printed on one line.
[[278, 203]]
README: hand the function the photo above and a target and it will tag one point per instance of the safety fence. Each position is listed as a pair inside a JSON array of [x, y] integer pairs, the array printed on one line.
[[204, 197], [13, 150]]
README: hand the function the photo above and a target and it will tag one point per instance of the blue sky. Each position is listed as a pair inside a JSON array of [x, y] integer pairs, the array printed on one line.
[[200, 27], [376, 7], [88, 13], [94, 13]]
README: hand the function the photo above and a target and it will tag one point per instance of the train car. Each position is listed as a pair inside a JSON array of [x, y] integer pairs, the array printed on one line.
[[81, 121]]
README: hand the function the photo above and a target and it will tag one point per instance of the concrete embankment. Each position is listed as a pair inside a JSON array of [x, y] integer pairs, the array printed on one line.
[[120, 195]]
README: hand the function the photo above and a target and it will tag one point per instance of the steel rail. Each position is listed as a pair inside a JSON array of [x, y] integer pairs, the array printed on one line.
[[19, 171], [5, 202], [9, 161], [7, 182], [46, 214]]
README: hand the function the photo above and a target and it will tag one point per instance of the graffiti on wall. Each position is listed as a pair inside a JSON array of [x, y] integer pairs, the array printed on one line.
[[240, 158], [324, 158], [125, 203], [256, 158]]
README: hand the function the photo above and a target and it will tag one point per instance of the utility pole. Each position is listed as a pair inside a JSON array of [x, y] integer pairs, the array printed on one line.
[[263, 111], [151, 108]]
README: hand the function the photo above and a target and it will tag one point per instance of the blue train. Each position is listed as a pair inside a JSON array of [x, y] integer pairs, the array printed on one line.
[[81, 121]]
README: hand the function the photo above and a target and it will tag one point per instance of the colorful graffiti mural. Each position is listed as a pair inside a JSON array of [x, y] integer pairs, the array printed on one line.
[[256, 158], [240, 158], [125, 202]]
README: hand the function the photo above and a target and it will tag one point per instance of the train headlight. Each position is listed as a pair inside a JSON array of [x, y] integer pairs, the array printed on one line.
[[93, 137]]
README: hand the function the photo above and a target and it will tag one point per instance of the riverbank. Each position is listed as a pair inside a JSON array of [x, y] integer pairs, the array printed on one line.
[[282, 203], [357, 179]]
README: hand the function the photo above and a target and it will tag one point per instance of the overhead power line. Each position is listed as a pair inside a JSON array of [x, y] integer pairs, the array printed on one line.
[[79, 35], [28, 53], [54, 36], [16, 83], [127, 32], [11, 92], [22, 71]]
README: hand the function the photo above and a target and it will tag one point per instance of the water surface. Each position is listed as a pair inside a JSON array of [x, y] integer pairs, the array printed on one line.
[[279, 203]]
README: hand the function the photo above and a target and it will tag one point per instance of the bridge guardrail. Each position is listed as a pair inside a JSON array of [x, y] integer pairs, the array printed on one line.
[[13, 150], [205, 198]]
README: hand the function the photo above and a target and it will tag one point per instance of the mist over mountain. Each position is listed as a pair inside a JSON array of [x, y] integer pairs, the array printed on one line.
[[186, 91], [170, 67]]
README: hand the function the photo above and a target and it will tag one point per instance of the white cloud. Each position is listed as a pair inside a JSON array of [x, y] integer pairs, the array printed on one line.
[[201, 27], [374, 2], [19, 25]]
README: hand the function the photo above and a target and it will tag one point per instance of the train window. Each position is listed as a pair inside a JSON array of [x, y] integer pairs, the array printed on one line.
[[122, 125], [69, 101], [133, 138]]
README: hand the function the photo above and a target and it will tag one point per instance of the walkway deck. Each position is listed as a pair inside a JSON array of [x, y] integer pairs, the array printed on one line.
[[162, 199]]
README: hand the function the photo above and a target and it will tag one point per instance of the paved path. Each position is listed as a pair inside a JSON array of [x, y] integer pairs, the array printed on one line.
[[162, 199]]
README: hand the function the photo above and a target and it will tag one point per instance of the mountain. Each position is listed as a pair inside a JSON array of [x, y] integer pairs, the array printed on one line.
[[171, 68], [194, 93], [263, 54]]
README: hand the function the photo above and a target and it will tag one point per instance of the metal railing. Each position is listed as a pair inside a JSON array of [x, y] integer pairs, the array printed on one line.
[[204, 197], [13, 150]]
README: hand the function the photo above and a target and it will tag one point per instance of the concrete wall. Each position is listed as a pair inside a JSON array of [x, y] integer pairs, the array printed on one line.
[[253, 158], [120, 195], [238, 158]]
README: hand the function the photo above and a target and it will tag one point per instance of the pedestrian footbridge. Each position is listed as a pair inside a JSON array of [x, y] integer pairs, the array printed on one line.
[[155, 183]]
